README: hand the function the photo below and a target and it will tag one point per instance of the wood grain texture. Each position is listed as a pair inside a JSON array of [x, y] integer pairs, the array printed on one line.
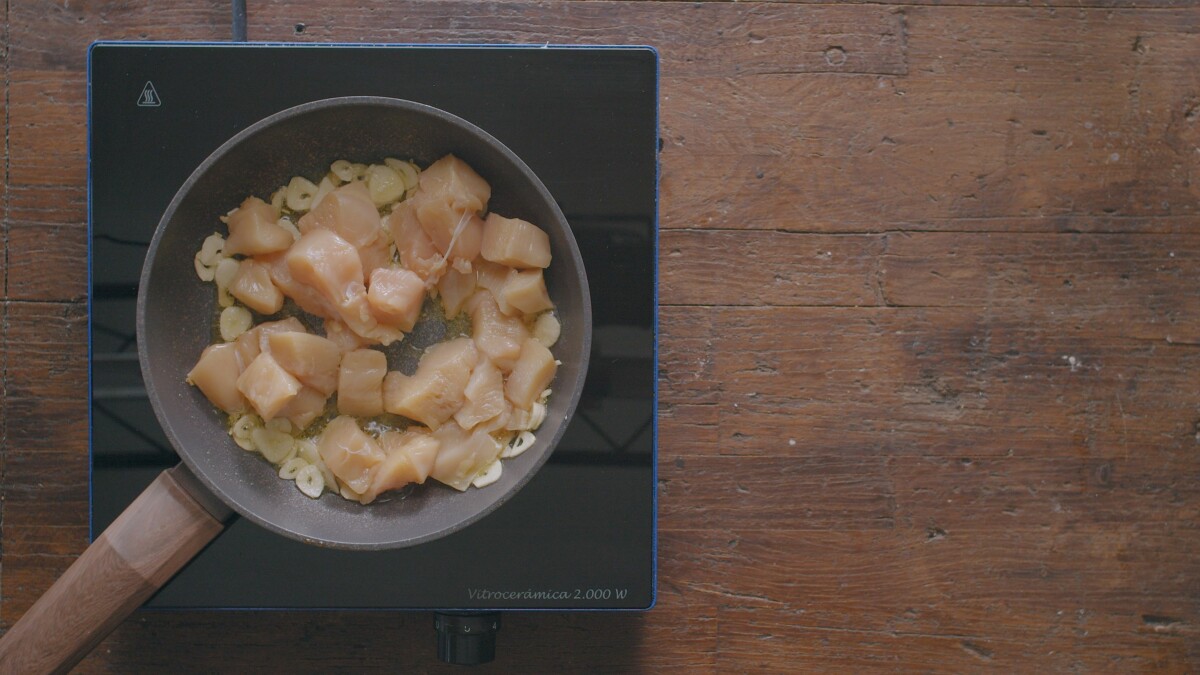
[[929, 337]]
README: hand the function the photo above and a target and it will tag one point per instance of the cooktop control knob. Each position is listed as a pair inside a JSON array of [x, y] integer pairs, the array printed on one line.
[[468, 638]]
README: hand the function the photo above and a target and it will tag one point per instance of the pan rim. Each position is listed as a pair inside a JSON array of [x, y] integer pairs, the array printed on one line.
[[215, 487]]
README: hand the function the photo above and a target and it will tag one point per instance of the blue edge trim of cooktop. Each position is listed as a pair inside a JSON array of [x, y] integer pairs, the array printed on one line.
[[657, 177]]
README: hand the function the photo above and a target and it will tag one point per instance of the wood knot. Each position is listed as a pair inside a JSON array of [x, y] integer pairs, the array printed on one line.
[[835, 56]]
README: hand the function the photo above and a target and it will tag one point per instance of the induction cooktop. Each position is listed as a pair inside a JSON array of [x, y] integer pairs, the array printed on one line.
[[581, 534]]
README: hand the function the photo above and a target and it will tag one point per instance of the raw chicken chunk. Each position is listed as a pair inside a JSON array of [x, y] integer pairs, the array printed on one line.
[[484, 395], [530, 375], [345, 339], [349, 453], [329, 264], [396, 297], [267, 386], [499, 337], [216, 374], [495, 277], [253, 286], [454, 289], [514, 242], [375, 256], [417, 252], [347, 212], [447, 225], [456, 183], [254, 230], [437, 390], [463, 455], [308, 405], [409, 459], [306, 297], [360, 383], [253, 341], [312, 359], [526, 292]]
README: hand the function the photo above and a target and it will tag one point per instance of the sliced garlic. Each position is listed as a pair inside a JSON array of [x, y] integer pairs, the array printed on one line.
[[211, 249], [384, 184], [307, 450], [276, 446], [291, 468], [343, 170], [547, 329], [310, 481], [204, 272], [241, 430], [521, 443], [407, 170], [226, 271], [234, 321], [300, 191], [490, 475]]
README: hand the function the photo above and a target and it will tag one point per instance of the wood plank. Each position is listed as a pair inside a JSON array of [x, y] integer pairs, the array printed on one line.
[[925, 381], [993, 126], [727, 267], [765, 641], [694, 39], [1019, 584], [46, 35], [1128, 285]]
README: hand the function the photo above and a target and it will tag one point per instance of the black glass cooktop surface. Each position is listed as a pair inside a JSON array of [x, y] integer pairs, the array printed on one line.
[[581, 534]]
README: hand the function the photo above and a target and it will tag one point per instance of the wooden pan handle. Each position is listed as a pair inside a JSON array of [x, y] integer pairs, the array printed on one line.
[[146, 545]]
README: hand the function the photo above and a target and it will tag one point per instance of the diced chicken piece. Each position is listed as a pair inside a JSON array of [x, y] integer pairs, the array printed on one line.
[[312, 359], [308, 405], [253, 341], [530, 375], [332, 266], [417, 252], [456, 183], [526, 291], [348, 212], [454, 289], [345, 339], [360, 383], [448, 226], [409, 459], [376, 255], [437, 390], [514, 242], [349, 453], [499, 337], [495, 277], [327, 263], [254, 230], [396, 297], [267, 386], [484, 395], [306, 297], [216, 374], [253, 286], [463, 455]]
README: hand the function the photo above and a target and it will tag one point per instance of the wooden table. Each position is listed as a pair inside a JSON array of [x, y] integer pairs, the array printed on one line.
[[930, 335]]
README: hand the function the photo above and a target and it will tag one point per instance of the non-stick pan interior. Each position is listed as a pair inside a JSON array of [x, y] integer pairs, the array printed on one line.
[[176, 312]]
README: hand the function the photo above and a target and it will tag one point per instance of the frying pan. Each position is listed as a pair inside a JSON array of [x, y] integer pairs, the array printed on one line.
[[187, 506]]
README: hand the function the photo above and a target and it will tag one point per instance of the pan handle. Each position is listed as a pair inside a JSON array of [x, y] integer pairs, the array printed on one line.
[[146, 545]]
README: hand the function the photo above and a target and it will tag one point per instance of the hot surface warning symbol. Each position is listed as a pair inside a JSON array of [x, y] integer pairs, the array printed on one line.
[[149, 96]]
